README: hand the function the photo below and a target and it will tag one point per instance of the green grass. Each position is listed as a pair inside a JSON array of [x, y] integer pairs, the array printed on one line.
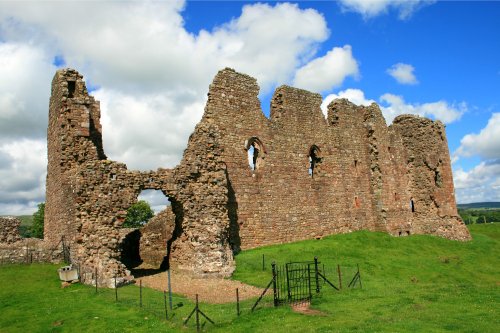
[[410, 284]]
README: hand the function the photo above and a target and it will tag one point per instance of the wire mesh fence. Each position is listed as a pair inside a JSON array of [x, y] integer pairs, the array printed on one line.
[[288, 283]]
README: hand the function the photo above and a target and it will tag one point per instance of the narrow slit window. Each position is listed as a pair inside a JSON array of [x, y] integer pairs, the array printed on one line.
[[314, 160], [71, 89], [412, 206]]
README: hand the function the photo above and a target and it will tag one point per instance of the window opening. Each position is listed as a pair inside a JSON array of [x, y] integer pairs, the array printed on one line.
[[71, 89], [255, 153], [253, 156], [314, 160], [412, 205]]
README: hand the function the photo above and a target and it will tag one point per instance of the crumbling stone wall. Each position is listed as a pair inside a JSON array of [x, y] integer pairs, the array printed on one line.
[[312, 177], [30, 250], [154, 237], [364, 176], [88, 195], [9, 230]]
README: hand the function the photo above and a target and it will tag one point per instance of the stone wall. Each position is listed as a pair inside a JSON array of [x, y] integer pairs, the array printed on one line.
[[313, 176], [364, 175], [30, 250], [9, 230]]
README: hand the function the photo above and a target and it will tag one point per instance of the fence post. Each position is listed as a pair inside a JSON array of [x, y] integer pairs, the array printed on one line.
[[96, 280], [340, 276], [359, 277], [169, 290], [273, 265], [165, 303], [237, 302], [116, 291], [309, 282], [288, 284], [316, 275], [140, 293], [197, 315]]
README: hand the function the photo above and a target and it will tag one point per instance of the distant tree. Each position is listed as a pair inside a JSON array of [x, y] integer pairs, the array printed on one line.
[[38, 218], [138, 215]]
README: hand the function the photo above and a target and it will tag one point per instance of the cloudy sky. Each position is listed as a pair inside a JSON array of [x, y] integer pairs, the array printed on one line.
[[150, 64]]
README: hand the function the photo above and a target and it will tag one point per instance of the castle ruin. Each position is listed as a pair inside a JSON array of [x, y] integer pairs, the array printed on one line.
[[309, 177]]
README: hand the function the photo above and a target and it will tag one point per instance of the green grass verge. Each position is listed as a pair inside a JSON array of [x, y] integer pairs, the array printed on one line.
[[410, 284]]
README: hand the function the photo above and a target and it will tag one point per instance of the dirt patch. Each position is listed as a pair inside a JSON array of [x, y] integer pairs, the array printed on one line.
[[208, 290], [305, 308]]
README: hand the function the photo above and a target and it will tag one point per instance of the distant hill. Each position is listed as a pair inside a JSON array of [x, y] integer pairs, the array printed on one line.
[[477, 205]]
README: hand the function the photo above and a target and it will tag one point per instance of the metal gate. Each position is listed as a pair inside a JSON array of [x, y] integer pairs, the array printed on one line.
[[294, 282]]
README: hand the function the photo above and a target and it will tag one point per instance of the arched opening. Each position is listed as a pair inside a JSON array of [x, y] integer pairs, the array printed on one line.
[[148, 226], [412, 205], [314, 160], [255, 153]]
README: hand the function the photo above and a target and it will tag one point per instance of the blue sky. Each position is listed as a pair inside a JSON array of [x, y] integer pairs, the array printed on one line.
[[150, 64]]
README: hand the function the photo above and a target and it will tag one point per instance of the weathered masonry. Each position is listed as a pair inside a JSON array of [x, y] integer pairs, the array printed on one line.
[[246, 180]]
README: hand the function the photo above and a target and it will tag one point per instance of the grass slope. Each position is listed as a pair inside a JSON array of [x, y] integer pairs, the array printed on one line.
[[410, 284], [477, 205]]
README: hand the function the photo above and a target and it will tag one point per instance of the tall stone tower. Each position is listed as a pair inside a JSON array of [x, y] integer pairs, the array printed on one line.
[[73, 137]]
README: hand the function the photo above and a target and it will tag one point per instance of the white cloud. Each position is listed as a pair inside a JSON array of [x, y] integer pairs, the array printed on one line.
[[355, 96], [22, 176], [153, 73], [327, 72], [372, 8], [155, 198], [394, 105], [143, 46], [403, 73], [148, 131], [481, 183], [486, 144], [26, 73]]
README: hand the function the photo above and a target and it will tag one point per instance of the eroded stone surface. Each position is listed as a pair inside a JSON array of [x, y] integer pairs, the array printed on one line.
[[154, 237], [311, 177], [9, 230]]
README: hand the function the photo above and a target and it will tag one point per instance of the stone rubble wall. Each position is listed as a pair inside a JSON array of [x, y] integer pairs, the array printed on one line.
[[9, 230], [30, 250], [154, 237]]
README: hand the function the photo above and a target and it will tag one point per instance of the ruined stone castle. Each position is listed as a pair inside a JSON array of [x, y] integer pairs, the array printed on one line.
[[309, 177]]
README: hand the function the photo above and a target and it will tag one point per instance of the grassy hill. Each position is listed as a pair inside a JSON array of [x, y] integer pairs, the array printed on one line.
[[479, 205], [410, 284]]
